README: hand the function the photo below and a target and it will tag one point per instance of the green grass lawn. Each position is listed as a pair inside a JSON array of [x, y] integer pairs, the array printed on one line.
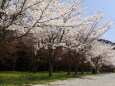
[[27, 78]]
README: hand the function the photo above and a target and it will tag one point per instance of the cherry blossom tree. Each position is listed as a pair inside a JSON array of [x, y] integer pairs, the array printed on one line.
[[80, 39], [99, 54], [51, 35], [62, 25], [24, 15]]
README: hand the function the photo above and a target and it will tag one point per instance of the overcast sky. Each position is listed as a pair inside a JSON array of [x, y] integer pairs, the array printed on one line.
[[106, 6]]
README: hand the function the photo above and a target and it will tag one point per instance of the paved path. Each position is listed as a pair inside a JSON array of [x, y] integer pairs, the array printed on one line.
[[98, 80]]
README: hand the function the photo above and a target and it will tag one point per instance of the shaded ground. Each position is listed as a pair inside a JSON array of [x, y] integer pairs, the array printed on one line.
[[98, 80]]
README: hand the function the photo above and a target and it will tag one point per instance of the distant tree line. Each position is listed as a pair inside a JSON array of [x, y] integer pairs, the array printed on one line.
[[17, 56]]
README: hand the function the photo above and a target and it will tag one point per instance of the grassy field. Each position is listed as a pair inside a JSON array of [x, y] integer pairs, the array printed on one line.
[[27, 78]]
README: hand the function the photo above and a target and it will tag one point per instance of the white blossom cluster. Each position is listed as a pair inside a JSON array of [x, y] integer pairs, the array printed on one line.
[[57, 24], [64, 26], [103, 51]]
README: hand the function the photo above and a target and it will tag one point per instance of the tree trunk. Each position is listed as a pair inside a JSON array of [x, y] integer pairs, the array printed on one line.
[[34, 68], [82, 71], [76, 71], [69, 69], [93, 70], [50, 69], [14, 63], [55, 68]]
